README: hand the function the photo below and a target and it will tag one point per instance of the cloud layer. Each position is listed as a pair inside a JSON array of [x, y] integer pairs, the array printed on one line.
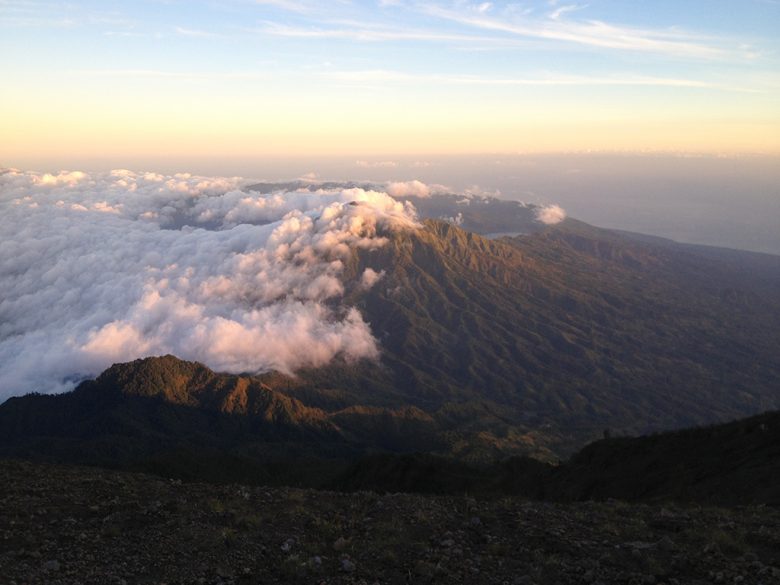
[[99, 268]]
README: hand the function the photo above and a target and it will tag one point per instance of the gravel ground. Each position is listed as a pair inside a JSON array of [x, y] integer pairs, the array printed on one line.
[[63, 525]]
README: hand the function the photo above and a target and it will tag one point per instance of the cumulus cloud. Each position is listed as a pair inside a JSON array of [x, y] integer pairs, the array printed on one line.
[[413, 188], [106, 267], [454, 220], [550, 214], [370, 277]]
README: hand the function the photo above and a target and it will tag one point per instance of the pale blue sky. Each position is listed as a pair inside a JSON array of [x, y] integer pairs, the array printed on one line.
[[441, 76]]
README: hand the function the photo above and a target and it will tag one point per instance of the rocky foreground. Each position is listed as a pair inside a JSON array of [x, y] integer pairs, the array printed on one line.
[[85, 525]]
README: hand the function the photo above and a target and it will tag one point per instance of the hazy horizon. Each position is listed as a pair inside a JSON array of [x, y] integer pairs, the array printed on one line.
[[729, 201]]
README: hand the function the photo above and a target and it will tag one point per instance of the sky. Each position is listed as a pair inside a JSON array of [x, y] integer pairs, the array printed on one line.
[[85, 82]]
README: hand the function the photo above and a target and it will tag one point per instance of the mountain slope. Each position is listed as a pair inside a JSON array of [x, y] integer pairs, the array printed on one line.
[[181, 413], [542, 341], [142, 416], [732, 463], [729, 464], [526, 345]]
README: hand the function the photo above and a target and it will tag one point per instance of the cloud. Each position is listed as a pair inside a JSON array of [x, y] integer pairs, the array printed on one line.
[[385, 77], [475, 191], [413, 188], [189, 32], [551, 214], [105, 267], [288, 5], [370, 277], [369, 33], [365, 164], [454, 220], [592, 33], [561, 10], [382, 76]]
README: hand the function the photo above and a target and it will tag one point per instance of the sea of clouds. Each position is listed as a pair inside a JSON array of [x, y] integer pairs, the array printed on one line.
[[100, 268]]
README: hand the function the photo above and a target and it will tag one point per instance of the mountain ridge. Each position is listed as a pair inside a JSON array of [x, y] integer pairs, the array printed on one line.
[[368, 448], [529, 345], [526, 345]]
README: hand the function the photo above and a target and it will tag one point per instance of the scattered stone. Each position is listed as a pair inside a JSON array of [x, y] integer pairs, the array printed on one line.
[[215, 535], [424, 569]]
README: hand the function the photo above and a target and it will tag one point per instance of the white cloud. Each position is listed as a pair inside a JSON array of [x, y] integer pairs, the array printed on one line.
[[189, 32], [585, 32], [370, 277], [367, 32], [551, 214], [385, 77], [457, 219], [365, 164], [285, 5], [107, 267], [413, 188], [561, 10]]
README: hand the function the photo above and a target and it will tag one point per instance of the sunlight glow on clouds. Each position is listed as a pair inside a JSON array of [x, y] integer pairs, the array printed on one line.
[[551, 214], [104, 267]]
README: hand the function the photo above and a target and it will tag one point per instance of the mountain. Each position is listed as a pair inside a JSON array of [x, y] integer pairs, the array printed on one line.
[[180, 419], [737, 462], [526, 345], [727, 464], [538, 343], [169, 413], [482, 214]]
